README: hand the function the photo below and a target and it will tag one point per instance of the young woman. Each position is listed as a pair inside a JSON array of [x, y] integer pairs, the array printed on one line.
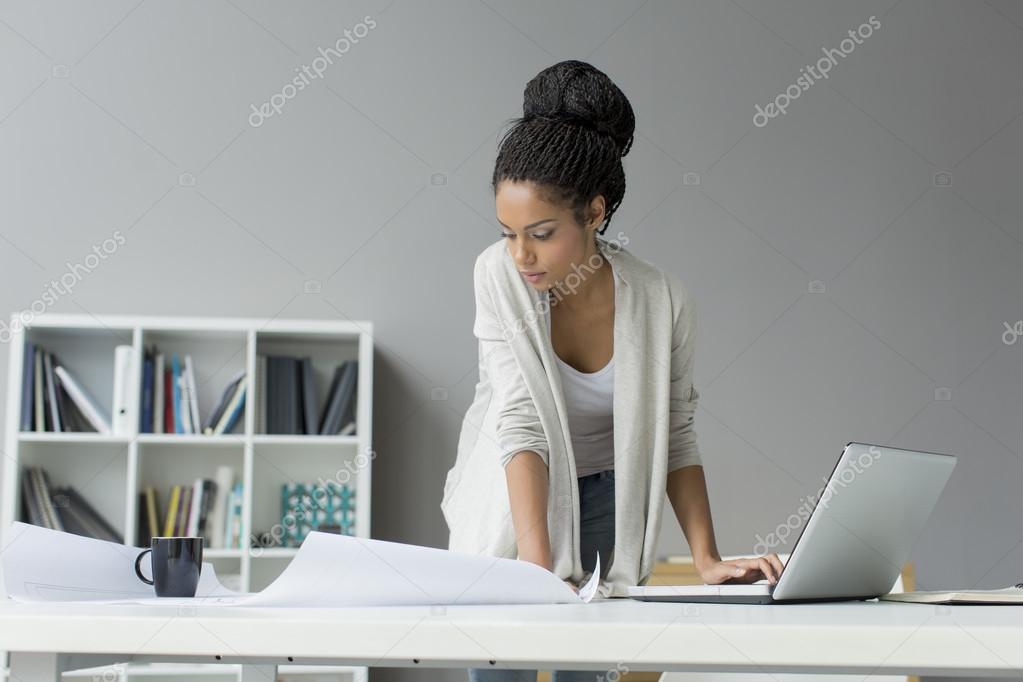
[[583, 415]]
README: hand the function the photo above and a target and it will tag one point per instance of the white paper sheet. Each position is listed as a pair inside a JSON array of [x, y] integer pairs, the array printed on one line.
[[49, 565], [328, 570]]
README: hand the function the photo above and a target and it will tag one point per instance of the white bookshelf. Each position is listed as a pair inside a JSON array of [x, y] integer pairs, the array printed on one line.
[[110, 470]]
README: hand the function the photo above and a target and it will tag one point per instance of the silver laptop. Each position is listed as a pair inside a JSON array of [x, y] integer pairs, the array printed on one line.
[[856, 539]]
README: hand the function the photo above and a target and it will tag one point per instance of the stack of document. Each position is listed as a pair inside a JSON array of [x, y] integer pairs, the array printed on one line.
[[1005, 595], [327, 571]]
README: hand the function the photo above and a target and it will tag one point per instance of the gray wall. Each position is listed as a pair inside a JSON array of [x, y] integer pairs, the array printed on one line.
[[854, 260]]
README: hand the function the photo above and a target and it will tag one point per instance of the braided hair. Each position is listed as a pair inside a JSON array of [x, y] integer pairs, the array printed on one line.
[[575, 128]]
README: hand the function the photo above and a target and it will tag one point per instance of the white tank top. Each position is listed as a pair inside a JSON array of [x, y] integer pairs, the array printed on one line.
[[589, 399]]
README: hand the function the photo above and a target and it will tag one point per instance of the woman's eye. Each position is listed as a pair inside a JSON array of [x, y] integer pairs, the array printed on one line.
[[542, 236]]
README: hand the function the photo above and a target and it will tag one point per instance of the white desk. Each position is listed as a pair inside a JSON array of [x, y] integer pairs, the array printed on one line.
[[846, 638]]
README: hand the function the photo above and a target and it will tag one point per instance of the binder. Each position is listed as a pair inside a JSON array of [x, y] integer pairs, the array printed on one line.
[[124, 362]]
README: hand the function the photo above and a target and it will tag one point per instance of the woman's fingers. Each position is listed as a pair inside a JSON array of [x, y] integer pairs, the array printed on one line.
[[747, 570], [729, 571], [762, 566], [776, 562], [752, 566]]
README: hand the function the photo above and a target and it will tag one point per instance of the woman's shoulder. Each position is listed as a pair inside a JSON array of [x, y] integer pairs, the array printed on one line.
[[492, 256], [654, 280]]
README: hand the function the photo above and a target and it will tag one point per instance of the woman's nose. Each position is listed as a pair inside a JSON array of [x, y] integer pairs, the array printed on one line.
[[523, 256]]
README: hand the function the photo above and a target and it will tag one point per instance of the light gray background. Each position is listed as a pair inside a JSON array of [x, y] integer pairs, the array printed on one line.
[[374, 180]]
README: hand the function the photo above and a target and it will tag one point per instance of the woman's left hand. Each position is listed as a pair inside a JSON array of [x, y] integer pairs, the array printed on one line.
[[743, 571]]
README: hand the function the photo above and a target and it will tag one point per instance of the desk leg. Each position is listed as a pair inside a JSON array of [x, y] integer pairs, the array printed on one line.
[[258, 673], [37, 667]]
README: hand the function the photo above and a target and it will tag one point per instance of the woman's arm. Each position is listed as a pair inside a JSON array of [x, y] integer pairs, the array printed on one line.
[[686, 486], [527, 493], [687, 491]]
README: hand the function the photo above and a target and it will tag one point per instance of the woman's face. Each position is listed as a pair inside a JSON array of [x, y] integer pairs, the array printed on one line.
[[544, 239]]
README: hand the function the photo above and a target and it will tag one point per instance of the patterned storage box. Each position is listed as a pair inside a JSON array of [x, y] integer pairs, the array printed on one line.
[[329, 507]]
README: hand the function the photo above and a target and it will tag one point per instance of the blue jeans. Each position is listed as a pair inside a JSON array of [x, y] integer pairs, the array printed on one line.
[[596, 533]]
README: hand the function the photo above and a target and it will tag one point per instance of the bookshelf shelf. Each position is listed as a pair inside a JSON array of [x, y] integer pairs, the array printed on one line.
[[70, 437], [190, 439], [306, 441], [199, 672], [109, 471]]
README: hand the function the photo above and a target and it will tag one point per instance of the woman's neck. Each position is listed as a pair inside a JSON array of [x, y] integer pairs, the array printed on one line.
[[592, 290]]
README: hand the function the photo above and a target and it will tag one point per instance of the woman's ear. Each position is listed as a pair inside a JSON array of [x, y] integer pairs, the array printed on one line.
[[596, 211]]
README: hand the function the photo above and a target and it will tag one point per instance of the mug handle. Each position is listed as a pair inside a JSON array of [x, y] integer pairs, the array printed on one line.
[[138, 569]]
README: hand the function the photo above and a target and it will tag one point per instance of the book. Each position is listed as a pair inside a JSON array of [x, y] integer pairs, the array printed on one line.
[[184, 511], [183, 407], [235, 516], [287, 401], [172, 511], [168, 400], [148, 367], [192, 529], [223, 482], [61, 508], [41, 483], [86, 516], [30, 501], [205, 500], [1004, 595], [271, 418], [341, 405], [278, 380], [213, 418], [202, 491], [84, 402], [73, 418], [261, 394], [349, 385], [27, 386], [310, 411], [51, 393], [158, 395], [290, 397], [179, 425], [152, 524], [228, 519], [233, 409], [193, 396], [40, 413], [72, 523]]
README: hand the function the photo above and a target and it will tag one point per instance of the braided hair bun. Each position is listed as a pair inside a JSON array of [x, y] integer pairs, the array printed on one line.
[[575, 128]]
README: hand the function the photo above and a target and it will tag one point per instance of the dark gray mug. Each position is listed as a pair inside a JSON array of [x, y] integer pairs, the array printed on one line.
[[176, 563]]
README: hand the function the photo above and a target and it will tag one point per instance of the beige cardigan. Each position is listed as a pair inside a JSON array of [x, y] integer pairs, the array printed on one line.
[[519, 405]]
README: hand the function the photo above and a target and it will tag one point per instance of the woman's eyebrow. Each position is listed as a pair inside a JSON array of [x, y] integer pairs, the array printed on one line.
[[532, 225]]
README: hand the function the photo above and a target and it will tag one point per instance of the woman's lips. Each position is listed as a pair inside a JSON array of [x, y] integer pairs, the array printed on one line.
[[533, 277]]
